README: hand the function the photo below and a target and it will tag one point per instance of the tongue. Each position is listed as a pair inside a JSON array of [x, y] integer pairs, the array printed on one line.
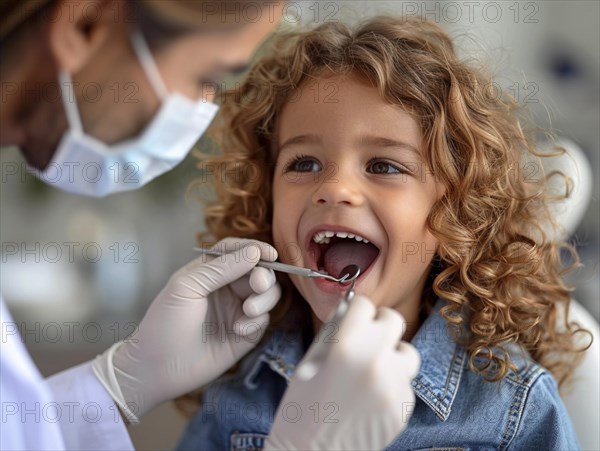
[[344, 253]]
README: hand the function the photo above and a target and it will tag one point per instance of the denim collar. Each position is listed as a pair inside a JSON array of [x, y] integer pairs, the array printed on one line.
[[442, 363], [436, 384]]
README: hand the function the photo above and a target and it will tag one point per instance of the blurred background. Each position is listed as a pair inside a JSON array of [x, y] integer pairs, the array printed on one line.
[[79, 273]]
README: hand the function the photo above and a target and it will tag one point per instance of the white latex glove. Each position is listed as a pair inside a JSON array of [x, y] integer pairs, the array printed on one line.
[[361, 397], [196, 328]]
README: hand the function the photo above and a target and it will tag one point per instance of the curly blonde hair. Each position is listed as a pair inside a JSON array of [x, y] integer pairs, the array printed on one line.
[[497, 266]]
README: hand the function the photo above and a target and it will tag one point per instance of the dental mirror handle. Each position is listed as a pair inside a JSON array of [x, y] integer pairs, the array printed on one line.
[[309, 368], [276, 266]]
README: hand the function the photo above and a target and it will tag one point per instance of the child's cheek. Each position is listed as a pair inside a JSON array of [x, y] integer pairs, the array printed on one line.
[[281, 235], [276, 235], [285, 225], [275, 220]]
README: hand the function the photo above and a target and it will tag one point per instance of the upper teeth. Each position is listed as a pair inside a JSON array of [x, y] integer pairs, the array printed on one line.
[[324, 236]]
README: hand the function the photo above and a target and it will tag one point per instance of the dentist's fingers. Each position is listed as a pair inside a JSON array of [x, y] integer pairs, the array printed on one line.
[[241, 287], [411, 359], [258, 281], [261, 279], [247, 253], [360, 311], [200, 278], [251, 328], [392, 323], [258, 304]]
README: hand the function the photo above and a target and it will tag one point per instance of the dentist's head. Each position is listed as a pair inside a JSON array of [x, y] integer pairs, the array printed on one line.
[[110, 94]]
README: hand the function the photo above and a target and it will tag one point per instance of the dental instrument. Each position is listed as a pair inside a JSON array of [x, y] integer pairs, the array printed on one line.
[[310, 367], [290, 269], [348, 274]]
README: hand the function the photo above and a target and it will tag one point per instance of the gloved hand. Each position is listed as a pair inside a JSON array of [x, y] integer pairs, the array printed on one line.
[[361, 397], [196, 328]]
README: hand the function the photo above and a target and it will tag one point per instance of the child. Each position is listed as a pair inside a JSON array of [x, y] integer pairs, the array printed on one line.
[[376, 146]]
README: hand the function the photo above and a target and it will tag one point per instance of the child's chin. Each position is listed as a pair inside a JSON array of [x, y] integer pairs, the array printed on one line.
[[321, 304], [323, 310]]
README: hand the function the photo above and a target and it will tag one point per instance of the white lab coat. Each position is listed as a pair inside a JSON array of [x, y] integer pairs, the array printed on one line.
[[70, 410]]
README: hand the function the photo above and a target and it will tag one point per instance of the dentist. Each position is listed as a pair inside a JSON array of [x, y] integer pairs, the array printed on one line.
[[166, 55]]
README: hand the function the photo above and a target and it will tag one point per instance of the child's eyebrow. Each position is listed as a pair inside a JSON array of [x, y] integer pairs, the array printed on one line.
[[380, 141], [365, 140], [300, 139]]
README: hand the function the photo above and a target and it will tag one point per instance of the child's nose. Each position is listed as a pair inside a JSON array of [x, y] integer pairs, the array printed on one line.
[[338, 189]]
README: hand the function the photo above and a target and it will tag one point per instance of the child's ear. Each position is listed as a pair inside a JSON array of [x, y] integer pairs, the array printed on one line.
[[78, 30]]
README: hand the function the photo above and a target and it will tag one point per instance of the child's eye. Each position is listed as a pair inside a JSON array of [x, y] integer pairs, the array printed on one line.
[[384, 167], [303, 163]]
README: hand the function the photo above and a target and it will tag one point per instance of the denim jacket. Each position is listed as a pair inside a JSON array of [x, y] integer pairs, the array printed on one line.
[[456, 409]]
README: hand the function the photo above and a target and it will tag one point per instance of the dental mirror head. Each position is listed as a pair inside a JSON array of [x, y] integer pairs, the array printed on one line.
[[349, 274]]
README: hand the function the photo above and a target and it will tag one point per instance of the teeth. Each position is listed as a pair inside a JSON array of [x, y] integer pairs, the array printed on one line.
[[320, 238], [324, 236]]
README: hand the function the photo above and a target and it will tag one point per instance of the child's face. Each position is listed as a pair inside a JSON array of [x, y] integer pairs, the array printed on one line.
[[350, 162]]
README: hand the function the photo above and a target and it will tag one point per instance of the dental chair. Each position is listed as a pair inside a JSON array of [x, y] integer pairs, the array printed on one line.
[[583, 398]]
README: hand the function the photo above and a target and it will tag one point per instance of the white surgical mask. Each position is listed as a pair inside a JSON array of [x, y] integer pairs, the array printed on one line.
[[85, 165]]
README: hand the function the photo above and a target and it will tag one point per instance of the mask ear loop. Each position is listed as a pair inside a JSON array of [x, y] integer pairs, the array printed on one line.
[[146, 59], [141, 49], [69, 100]]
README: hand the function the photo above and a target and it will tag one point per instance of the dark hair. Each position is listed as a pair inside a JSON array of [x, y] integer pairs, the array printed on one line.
[[10, 16], [156, 30]]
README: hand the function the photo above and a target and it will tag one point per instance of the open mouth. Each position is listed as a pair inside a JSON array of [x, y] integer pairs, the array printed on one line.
[[332, 251]]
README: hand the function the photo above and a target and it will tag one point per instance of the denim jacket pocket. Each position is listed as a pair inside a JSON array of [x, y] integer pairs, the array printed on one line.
[[247, 441]]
